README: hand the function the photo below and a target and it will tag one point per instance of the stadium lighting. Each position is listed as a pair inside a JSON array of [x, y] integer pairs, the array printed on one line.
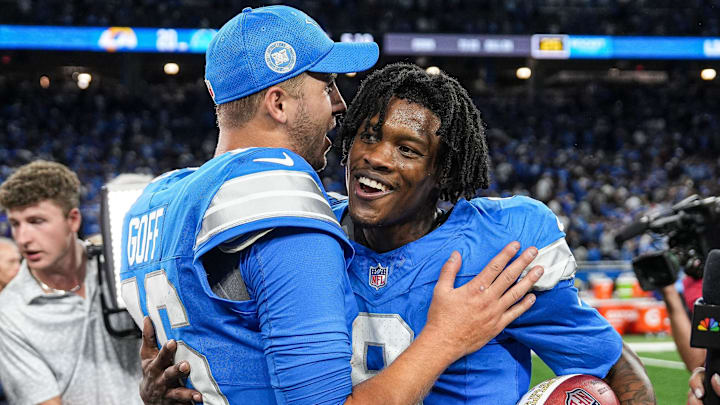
[[83, 80], [84, 77], [171, 68], [523, 73], [351, 74], [433, 70], [708, 74], [44, 81]]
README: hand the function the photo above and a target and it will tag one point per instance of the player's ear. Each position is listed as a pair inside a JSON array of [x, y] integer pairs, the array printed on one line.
[[74, 218], [277, 103]]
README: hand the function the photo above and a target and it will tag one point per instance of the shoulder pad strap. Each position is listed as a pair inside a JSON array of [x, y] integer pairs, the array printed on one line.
[[241, 242]]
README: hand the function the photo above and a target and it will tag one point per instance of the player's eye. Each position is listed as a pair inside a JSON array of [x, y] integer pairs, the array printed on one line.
[[368, 136], [330, 87], [407, 151]]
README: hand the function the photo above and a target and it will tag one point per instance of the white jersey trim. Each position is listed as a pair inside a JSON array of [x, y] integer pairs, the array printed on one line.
[[558, 262]]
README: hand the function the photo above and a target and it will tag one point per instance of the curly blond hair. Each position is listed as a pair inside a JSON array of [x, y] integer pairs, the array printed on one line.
[[38, 181]]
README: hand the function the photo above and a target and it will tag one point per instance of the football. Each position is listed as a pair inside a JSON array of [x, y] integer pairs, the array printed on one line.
[[572, 389]]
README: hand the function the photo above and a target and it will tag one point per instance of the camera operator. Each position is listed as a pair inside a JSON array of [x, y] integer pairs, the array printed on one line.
[[691, 228], [697, 390], [680, 321]]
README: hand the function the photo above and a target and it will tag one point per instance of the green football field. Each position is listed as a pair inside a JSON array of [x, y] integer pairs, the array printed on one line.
[[665, 368]]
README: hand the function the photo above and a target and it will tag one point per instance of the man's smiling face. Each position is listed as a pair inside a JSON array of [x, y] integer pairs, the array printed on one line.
[[392, 172]]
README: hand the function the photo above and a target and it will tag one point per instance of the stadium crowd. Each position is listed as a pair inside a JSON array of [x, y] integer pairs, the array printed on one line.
[[598, 154], [599, 17]]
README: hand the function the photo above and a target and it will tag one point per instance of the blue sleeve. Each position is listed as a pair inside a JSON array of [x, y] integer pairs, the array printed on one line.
[[299, 280], [568, 335], [540, 227]]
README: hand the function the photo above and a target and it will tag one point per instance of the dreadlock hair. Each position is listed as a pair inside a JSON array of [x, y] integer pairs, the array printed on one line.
[[464, 163]]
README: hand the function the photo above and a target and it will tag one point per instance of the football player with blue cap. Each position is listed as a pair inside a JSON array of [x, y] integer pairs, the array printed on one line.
[[241, 263]]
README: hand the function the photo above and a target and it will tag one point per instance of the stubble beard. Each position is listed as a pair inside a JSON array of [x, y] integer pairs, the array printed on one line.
[[308, 138]]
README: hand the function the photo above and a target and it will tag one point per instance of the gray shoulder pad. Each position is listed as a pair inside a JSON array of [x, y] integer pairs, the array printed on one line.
[[263, 195]]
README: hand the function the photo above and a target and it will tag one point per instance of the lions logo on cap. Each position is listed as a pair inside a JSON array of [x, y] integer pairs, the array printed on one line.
[[280, 57]]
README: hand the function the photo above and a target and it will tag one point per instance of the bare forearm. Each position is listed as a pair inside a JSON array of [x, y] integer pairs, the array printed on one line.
[[408, 379], [680, 324], [629, 381]]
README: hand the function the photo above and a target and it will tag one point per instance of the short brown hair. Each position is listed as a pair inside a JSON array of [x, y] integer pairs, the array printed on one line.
[[236, 113], [38, 181]]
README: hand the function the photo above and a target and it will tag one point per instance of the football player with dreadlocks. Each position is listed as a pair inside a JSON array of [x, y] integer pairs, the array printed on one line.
[[409, 140]]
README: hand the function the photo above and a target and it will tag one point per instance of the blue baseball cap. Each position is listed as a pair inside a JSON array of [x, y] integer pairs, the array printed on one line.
[[268, 45]]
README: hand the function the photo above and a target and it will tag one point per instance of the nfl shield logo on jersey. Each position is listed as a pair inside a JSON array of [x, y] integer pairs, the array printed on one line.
[[579, 396], [378, 276]]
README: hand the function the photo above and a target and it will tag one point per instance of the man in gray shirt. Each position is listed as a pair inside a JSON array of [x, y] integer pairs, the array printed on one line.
[[54, 348]]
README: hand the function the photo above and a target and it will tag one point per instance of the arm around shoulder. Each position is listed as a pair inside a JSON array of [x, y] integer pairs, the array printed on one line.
[[298, 277], [488, 299], [460, 321]]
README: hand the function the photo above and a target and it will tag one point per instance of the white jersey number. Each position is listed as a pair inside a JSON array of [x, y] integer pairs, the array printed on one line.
[[386, 331], [160, 294]]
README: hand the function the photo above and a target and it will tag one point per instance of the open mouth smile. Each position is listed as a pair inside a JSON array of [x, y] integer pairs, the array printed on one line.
[[369, 188]]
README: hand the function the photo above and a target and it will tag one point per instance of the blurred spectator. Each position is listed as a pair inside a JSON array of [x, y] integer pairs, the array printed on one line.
[[54, 347], [9, 261], [9, 265], [599, 154], [606, 17]]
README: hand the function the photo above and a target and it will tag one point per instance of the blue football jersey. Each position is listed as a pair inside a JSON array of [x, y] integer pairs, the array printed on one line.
[[262, 212], [394, 290]]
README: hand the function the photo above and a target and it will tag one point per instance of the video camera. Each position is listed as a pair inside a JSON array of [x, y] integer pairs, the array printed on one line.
[[692, 229]]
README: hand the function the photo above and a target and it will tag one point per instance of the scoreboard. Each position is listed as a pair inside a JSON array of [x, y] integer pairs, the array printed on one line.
[[538, 46]]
